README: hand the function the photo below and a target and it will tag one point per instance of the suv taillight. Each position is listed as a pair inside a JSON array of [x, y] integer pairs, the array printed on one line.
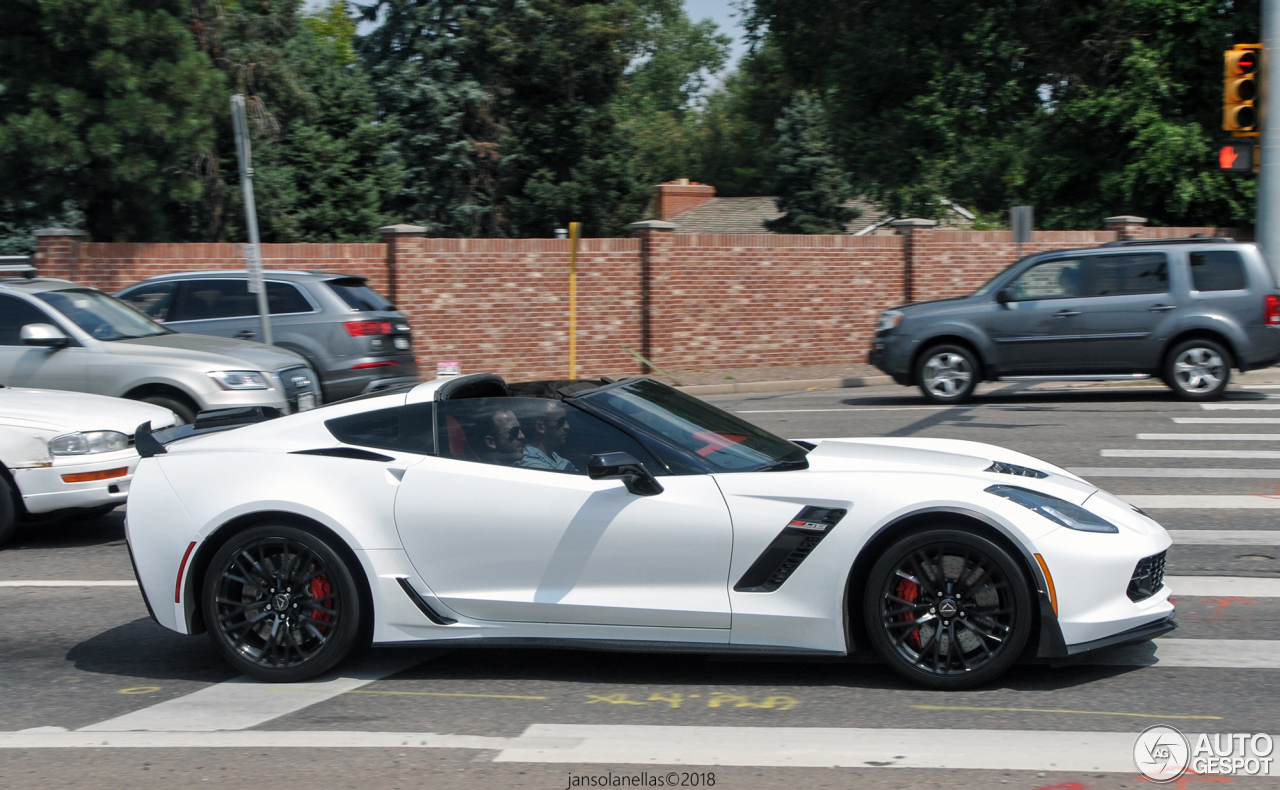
[[367, 328], [1271, 310]]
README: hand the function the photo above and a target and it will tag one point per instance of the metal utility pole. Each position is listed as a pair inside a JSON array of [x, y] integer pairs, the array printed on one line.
[[1268, 221], [252, 250], [1020, 221], [574, 228]]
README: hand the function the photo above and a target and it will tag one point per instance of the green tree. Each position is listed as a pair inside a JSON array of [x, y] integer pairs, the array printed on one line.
[[106, 107], [1082, 109], [812, 187], [422, 60]]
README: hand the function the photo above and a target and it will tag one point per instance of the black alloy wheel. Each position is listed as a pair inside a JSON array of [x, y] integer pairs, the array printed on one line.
[[280, 604], [948, 609]]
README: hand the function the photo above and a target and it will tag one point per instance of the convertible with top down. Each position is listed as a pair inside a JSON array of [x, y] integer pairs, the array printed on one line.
[[646, 519]]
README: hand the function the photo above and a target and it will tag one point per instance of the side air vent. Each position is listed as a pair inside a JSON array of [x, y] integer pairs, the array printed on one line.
[[422, 605], [1014, 469], [354, 453], [790, 548]]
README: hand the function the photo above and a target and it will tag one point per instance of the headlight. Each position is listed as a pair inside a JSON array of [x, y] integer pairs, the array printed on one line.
[[888, 320], [88, 442], [1056, 510], [239, 379]]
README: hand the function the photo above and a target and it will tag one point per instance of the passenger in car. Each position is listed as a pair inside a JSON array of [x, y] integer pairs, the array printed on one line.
[[548, 431], [499, 438]]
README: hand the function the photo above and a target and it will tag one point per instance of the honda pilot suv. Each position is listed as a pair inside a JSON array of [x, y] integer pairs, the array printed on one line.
[[352, 337], [1184, 310]]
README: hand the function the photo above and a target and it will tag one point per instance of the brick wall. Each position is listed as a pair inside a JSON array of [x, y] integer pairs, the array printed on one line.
[[721, 301], [685, 301]]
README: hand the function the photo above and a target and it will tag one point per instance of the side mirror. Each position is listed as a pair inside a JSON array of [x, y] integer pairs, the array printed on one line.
[[44, 336], [624, 467], [1003, 296]]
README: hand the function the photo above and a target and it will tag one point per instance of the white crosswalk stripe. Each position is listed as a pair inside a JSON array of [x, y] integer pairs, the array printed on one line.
[[1209, 437], [1136, 471]]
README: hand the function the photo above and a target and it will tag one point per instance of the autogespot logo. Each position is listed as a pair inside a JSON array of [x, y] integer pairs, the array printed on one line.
[[1161, 753]]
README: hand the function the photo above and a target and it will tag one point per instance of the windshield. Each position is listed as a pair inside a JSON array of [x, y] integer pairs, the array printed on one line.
[[989, 284], [359, 296], [102, 316], [723, 441]]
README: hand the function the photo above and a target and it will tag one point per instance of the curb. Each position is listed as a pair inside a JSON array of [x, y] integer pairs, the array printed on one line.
[[795, 385]]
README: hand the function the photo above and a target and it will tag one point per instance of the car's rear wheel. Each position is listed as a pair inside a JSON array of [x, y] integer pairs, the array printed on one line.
[[947, 374], [1198, 370], [948, 609], [281, 604]]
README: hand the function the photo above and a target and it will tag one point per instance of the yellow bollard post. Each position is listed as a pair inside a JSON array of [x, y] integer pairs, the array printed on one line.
[[573, 298]]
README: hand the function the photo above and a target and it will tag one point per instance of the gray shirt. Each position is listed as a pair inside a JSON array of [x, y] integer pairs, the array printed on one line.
[[536, 459]]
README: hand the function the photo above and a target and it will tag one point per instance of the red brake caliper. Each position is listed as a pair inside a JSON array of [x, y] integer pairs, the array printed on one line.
[[320, 591], [907, 591]]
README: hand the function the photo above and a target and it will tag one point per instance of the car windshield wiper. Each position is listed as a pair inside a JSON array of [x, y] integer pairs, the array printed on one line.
[[784, 466]]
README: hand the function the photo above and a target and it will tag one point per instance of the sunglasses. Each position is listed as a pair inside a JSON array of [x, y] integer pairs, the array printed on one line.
[[514, 433], [560, 423]]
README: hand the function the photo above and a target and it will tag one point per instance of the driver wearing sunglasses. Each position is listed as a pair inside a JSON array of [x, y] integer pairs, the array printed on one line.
[[548, 431]]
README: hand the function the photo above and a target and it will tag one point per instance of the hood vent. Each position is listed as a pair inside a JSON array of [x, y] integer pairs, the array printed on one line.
[[1014, 469]]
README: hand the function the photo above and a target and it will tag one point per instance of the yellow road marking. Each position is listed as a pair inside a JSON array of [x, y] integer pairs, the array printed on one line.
[[1052, 710], [139, 690]]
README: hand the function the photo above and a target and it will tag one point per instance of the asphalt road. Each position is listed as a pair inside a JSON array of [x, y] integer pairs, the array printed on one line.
[[75, 656]]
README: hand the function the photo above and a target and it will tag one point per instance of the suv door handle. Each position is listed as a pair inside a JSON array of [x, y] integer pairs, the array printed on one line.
[[1160, 308], [246, 334], [1066, 313]]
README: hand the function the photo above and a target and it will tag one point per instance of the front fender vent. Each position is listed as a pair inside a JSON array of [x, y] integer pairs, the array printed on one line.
[[790, 548], [1014, 469]]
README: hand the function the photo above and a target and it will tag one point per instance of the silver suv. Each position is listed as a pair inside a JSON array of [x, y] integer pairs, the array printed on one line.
[[55, 334], [348, 332], [1185, 310]]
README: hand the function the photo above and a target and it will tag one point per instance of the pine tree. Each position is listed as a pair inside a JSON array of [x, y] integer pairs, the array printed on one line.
[[812, 187], [106, 107]]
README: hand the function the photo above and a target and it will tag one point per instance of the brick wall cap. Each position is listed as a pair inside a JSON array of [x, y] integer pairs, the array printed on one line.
[[914, 222], [402, 228], [1126, 219], [653, 224], [60, 232]]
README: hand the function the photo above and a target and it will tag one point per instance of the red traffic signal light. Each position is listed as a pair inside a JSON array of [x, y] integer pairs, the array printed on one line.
[[1235, 157], [1241, 93]]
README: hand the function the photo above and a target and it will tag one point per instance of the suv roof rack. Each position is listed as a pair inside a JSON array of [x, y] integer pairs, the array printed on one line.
[[1199, 238], [17, 265]]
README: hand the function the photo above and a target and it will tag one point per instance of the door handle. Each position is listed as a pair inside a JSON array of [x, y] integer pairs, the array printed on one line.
[[1066, 313], [1160, 308], [246, 334]]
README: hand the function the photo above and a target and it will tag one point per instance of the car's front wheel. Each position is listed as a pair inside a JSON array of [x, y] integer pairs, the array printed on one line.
[[281, 604], [1198, 370], [948, 609], [947, 374]]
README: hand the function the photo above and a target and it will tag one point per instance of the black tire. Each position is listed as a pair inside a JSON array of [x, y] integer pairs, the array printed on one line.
[[1198, 370], [918, 579], [8, 511], [253, 577], [947, 373], [185, 411]]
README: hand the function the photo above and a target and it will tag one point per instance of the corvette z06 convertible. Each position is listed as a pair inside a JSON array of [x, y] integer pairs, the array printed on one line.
[[624, 515]]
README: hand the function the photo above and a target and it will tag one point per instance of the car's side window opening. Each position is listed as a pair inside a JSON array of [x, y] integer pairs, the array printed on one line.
[[1221, 270], [530, 433], [1119, 275], [1058, 279], [15, 314], [408, 429]]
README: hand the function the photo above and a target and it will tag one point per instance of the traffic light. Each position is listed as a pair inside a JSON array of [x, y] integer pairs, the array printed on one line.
[[1241, 90], [1236, 157]]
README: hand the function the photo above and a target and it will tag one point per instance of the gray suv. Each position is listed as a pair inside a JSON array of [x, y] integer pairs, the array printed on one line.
[[55, 334], [1185, 310], [350, 334]]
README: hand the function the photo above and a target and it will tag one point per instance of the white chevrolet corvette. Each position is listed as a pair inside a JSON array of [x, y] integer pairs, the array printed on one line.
[[625, 515]]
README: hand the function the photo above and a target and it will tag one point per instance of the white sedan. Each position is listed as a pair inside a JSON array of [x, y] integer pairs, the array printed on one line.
[[626, 515], [67, 453]]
